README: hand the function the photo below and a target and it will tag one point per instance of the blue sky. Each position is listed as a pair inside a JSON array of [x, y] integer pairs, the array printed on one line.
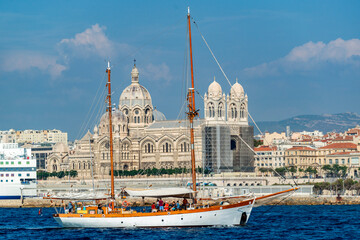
[[292, 57]]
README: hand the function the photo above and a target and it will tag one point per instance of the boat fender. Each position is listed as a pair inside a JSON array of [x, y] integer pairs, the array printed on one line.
[[243, 219], [103, 215]]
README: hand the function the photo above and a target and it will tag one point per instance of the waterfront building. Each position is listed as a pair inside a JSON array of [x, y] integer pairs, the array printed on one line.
[[8, 136], [269, 157], [348, 159], [33, 136], [300, 156], [144, 138], [304, 157]]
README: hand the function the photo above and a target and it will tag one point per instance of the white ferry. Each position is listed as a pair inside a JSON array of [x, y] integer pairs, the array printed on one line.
[[17, 172]]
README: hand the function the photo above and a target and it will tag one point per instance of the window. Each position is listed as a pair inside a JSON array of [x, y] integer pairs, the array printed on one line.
[[167, 147], [28, 174], [12, 175], [211, 110], [220, 109], [233, 111], [242, 111], [27, 162], [19, 175], [12, 163], [19, 162]]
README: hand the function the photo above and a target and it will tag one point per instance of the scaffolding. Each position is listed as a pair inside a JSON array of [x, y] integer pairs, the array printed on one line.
[[217, 156]]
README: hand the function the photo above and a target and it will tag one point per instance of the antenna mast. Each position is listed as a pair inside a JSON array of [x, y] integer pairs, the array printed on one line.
[[109, 109]]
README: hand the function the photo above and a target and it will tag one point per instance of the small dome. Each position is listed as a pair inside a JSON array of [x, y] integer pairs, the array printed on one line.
[[158, 116], [135, 94], [237, 91], [214, 90], [117, 117], [60, 148]]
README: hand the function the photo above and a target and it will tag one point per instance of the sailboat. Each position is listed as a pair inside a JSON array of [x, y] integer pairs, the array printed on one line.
[[195, 216]]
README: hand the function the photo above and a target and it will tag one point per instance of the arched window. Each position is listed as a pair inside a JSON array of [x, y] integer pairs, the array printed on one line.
[[135, 119], [220, 109], [242, 111], [181, 147], [79, 166], [73, 166], [166, 147], [89, 165], [233, 111], [211, 110], [84, 164]]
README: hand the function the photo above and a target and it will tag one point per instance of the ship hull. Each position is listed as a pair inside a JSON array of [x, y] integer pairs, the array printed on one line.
[[221, 216]]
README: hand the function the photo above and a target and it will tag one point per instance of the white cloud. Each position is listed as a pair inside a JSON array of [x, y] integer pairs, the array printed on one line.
[[310, 56], [157, 72], [92, 41], [23, 61]]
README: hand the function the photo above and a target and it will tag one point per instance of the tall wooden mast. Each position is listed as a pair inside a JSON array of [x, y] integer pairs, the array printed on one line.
[[192, 111], [109, 109]]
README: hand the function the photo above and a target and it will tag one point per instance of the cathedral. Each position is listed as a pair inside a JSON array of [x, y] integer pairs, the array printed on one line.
[[143, 137]]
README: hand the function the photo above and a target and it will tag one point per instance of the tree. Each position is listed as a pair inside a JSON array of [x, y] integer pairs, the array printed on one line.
[[310, 171], [61, 174], [293, 170], [320, 187], [281, 171], [73, 173], [42, 175], [349, 183], [338, 185], [257, 143]]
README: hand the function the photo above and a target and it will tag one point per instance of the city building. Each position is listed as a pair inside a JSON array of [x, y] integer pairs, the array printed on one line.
[[268, 157], [33, 136]]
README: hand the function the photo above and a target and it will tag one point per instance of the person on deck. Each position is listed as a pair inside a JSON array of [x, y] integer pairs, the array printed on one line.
[[177, 205], [173, 206], [166, 207], [153, 208], [157, 204], [184, 204], [161, 205], [70, 207]]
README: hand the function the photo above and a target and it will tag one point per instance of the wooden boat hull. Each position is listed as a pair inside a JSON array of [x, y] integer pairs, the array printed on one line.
[[227, 215]]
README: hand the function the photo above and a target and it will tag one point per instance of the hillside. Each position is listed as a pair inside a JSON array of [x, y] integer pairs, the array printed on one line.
[[326, 123]]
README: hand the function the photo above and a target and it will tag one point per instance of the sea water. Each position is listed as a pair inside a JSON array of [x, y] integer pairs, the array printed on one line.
[[267, 222]]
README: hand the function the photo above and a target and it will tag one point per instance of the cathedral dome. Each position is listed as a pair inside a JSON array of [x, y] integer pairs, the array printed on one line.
[[116, 115], [237, 91], [135, 94], [158, 116], [214, 90]]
